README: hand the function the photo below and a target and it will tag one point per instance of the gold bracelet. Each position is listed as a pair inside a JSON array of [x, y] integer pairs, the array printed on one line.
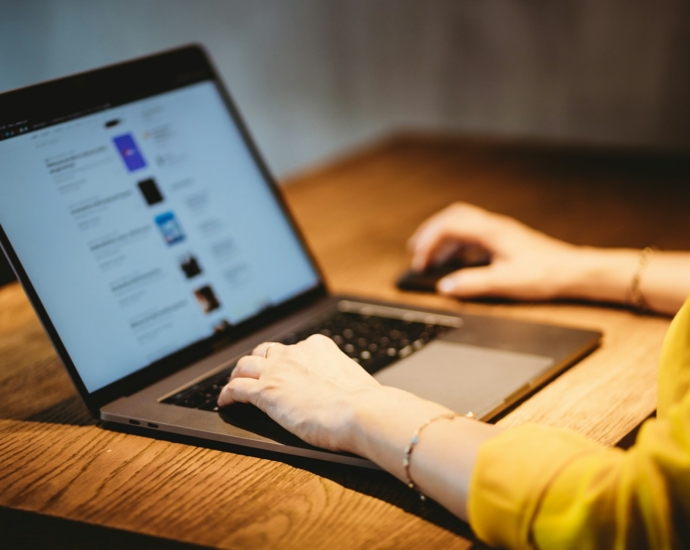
[[413, 442], [637, 299]]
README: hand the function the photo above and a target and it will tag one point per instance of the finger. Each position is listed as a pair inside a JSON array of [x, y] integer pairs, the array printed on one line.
[[266, 349], [473, 282], [448, 213], [425, 243], [465, 225], [441, 236], [248, 366], [239, 390], [412, 241]]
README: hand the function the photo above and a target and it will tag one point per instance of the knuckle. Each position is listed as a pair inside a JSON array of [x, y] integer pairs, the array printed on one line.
[[434, 227], [458, 207], [289, 351], [231, 389], [316, 338], [241, 365]]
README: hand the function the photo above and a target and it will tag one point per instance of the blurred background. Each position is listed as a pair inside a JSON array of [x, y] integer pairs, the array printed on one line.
[[315, 78]]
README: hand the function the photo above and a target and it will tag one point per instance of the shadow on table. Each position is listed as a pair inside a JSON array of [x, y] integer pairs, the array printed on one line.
[[70, 411], [374, 483], [496, 300], [27, 530]]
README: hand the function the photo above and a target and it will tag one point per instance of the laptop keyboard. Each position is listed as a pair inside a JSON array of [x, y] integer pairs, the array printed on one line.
[[373, 342]]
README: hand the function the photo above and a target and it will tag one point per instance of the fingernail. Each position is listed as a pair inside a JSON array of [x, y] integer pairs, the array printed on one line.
[[446, 285]]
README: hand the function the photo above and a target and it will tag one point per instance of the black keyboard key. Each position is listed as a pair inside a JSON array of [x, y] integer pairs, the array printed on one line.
[[175, 398], [210, 405], [192, 401]]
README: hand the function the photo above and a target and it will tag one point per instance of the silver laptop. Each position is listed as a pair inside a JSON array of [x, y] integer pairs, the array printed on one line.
[[156, 250]]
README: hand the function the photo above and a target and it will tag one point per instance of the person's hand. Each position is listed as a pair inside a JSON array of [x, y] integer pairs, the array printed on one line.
[[310, 388], [525, 264]]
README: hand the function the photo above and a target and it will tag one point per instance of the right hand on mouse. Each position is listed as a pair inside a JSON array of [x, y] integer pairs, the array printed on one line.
[[526, 264]]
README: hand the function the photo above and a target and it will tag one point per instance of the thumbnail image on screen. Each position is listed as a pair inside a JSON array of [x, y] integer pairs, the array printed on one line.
[[150, 191], [190, 266], [170, 228], [129, 152], [208, 301]]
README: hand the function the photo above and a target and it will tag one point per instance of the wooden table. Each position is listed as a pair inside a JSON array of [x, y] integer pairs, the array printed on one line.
[[356, 213]]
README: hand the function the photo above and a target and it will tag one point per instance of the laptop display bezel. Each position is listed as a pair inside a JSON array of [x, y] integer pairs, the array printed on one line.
[[84, 93]]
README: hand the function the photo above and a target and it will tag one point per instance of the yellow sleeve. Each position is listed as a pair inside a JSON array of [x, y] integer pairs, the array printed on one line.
[[539, 487]]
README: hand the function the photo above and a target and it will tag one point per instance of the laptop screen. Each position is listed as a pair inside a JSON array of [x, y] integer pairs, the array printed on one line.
[[145, 228]]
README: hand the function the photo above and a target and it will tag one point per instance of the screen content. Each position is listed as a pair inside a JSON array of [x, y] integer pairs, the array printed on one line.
[[145, 228]]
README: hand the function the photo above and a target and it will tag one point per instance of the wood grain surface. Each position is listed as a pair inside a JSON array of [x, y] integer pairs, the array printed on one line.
[[356, 214]]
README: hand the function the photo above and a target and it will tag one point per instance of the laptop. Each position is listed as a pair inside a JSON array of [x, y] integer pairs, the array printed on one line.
[[156, 249]]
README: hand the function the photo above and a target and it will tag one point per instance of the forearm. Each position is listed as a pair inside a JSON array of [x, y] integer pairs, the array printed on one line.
[[530, 482], [606, 275], [665, 283], [442, 461]]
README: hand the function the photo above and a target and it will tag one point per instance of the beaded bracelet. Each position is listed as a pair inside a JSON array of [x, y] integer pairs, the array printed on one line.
[[415, 439], [637, 299]]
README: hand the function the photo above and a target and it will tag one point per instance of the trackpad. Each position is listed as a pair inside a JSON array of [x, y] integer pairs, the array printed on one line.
[[464, 378]]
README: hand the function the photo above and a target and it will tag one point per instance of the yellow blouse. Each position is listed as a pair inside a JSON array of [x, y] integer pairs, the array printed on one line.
[[539, 487]]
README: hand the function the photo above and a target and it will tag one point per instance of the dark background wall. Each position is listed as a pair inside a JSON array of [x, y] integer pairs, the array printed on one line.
[[316, 77]]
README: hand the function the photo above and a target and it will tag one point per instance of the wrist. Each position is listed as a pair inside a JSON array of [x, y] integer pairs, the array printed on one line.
[[362, 415], [383, 416], [600, 274]]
